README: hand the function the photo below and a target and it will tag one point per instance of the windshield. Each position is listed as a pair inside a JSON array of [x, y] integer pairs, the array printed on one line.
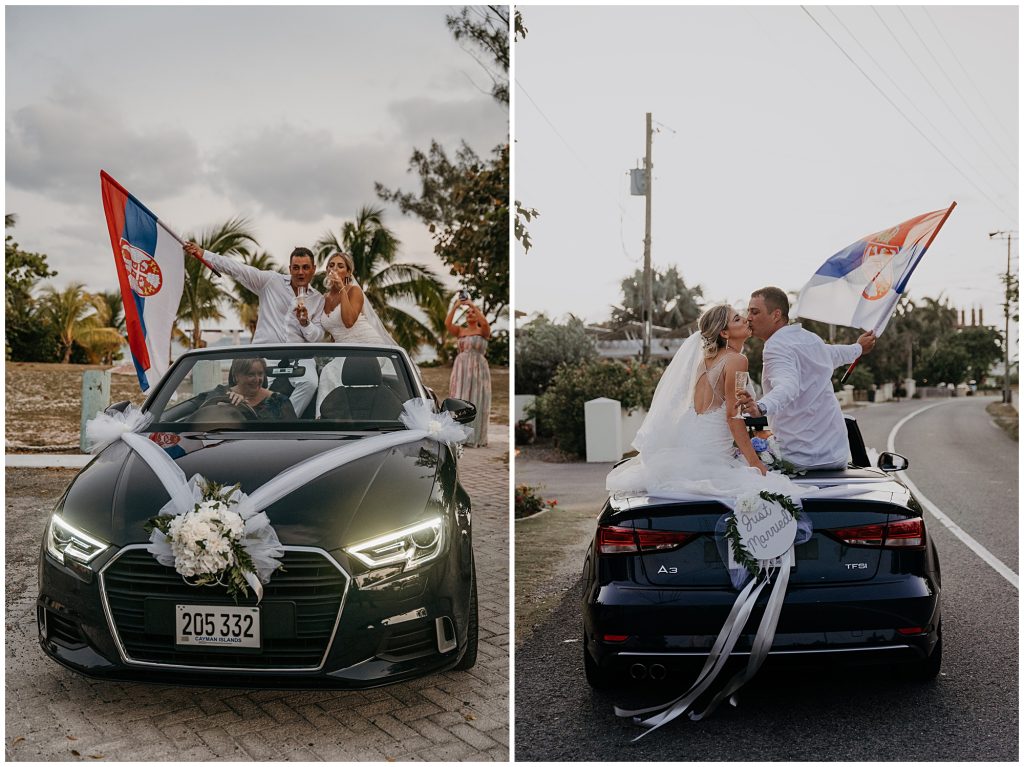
[[256, 389]]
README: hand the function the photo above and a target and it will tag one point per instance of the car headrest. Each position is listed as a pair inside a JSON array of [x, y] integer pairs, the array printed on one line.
[[361, 371]]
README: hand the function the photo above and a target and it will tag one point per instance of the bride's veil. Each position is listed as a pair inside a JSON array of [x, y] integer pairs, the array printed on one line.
[[375, 322], [672, 398]]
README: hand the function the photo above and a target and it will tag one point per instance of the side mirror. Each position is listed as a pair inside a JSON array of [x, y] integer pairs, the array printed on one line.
[[117, 407], [462, 411], [892, 462]]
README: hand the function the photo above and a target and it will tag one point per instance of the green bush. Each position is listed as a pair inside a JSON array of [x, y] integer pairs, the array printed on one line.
[[497, 349], [861, 378], [560, 408], [530, 502], [542, 345]]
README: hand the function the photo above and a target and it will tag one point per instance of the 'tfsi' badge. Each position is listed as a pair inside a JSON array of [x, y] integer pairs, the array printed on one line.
[[144, 276]]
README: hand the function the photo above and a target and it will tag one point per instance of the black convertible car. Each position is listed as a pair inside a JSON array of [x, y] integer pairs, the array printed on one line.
[[378, 583], [865, 588]]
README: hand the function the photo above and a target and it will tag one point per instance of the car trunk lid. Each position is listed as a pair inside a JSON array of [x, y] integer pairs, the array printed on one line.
[[700, 562]]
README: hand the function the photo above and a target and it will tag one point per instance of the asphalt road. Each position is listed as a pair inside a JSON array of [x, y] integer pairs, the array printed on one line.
[[965, 466]]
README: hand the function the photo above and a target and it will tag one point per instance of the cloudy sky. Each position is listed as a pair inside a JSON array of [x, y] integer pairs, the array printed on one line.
[[284, 115], [773, 152]]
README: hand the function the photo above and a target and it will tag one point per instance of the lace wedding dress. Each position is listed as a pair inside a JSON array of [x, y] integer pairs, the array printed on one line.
[[686, 453]]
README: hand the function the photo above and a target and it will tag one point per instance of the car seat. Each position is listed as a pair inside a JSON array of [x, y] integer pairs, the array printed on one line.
[[362, 395]]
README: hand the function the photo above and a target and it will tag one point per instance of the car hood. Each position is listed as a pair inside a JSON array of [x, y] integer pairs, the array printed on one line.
[[114, 496]]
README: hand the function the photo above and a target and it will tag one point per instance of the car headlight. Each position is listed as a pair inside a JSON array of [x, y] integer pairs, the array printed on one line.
[[409, 547], [65, 541]]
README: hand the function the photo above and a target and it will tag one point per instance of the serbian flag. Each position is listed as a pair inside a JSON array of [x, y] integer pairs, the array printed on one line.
[[151, 272], [860, 285]]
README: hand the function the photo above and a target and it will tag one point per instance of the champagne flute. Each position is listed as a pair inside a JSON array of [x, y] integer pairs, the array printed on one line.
[[742, 378], [300, 296]]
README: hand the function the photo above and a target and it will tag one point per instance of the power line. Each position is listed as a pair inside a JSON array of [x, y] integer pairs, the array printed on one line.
[[970, 79], [943, 99], [906, 97], [904, 116], [623, 212]]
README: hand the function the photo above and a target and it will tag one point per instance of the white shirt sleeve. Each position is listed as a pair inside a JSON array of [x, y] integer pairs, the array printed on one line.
[[249, 276], [781, 368], [843, 354], [314, 331]]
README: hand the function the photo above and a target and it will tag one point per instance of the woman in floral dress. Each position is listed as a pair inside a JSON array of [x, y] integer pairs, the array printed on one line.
[[471, 378]]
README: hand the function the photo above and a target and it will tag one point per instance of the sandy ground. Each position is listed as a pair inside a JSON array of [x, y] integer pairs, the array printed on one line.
[[43, 401]]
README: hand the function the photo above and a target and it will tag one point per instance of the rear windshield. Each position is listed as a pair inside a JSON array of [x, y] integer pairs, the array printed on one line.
[[346, 389]]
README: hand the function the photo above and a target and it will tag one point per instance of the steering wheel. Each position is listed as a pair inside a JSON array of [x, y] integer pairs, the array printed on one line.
[[222, 399]]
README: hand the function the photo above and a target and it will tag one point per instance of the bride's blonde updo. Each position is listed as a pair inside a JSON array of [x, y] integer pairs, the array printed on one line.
[[350, 264], [711, 324]]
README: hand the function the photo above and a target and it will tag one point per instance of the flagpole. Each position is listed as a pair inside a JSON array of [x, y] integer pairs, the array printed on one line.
[[181, 242], [904, 279]]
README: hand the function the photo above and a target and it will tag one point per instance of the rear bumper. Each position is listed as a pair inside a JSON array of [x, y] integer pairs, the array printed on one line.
[[818, 625]]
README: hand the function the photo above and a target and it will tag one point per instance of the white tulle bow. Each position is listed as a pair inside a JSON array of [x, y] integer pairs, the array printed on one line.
[[419, 415], [107, 428]]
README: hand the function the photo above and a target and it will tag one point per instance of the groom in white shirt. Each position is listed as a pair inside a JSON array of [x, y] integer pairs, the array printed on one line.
[[797, 380], [283, 318]]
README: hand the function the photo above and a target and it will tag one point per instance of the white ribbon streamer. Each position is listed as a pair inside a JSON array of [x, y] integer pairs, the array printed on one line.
[[260, 539], [724, 645]]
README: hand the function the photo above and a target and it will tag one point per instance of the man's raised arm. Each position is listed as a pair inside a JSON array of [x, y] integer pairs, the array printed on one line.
[[249, 276]]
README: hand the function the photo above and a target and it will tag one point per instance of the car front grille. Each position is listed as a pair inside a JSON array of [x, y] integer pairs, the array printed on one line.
[[310, 586]]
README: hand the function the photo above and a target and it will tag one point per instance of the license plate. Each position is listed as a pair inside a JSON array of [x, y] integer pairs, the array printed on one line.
[[217, 626], [734, 565]]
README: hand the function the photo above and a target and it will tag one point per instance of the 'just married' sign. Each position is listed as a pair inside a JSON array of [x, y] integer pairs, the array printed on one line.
[[766, 529]]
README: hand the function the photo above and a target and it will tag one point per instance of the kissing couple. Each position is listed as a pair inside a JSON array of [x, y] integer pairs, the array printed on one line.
[[686, 442]]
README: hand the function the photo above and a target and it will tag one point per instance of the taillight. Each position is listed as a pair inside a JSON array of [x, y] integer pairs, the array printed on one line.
[[630, 540], [904, 534]]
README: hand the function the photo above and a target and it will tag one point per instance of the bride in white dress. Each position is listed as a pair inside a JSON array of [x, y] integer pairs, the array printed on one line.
[[348, 318], [686, 442]]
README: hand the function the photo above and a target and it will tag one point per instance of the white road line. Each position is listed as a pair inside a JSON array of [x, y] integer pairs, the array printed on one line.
[[936, 512]]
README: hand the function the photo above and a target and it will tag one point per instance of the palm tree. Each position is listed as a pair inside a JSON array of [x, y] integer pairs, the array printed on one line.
[[102, 334], [202, 296], [66, 310], [445, 346], [373, 248], [247, 303]]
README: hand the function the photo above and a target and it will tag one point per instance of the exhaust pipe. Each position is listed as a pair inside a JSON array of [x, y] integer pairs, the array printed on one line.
[[638, 671], [658, 671]]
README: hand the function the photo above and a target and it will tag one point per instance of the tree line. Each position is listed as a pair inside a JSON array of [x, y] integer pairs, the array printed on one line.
[[923, 340]]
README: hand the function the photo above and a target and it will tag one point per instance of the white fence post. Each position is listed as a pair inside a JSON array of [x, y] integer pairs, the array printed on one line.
[[205, 375], [522, 402], [95, 398], [603, 422]]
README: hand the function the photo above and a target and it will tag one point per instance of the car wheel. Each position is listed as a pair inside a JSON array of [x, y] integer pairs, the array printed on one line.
[[927, 669], [473, 633], [596, 677]]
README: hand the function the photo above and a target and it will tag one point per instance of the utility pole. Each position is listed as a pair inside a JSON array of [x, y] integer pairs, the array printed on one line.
[[1008, 236], [648, 286]]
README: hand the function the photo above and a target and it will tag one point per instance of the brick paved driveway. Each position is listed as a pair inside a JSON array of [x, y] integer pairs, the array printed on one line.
[[55, 715]]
